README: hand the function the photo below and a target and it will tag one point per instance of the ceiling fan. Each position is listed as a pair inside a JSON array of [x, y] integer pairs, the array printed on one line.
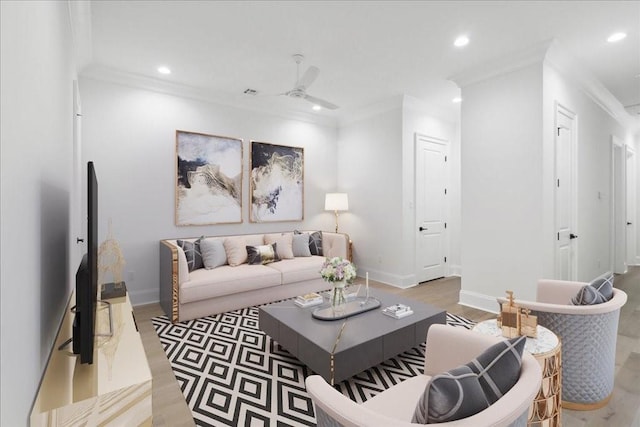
[[303, 83]]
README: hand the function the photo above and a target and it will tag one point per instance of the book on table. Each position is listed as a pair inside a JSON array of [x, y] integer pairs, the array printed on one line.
[[308, 300], [397, 311]]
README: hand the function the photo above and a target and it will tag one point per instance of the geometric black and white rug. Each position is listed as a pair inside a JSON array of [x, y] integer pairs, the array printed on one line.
[[233, 374]]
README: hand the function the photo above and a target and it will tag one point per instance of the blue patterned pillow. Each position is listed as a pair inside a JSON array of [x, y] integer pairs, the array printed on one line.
[[450, 396], [598, 291], [498, 367], [192, 253]]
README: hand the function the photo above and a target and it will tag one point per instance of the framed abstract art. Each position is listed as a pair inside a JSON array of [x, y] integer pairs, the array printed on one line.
[[208, 179], [276, 183]]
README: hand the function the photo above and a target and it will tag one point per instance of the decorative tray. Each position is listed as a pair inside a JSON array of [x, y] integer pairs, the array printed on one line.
[[352, 307]]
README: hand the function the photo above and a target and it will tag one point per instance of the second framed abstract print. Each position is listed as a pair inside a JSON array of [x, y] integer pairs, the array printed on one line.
[[276, 183]]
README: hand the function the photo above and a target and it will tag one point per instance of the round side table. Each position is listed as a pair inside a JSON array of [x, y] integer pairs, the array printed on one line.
[[546, 348]]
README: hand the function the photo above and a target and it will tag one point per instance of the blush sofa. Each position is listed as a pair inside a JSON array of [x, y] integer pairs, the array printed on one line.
[[187, 295]]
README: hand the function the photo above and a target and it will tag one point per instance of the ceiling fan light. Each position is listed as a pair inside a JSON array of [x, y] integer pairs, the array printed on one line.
[[164, 70], [316, 108], [616, 37]]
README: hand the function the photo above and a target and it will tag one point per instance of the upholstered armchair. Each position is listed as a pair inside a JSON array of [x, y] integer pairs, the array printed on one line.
[[447, 347], [588, 334]]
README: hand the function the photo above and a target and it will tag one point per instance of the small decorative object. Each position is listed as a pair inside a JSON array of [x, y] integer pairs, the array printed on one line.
[[339, 272], [397, 311], [528, 323], [515, 321], [509, 318], [308, 300]]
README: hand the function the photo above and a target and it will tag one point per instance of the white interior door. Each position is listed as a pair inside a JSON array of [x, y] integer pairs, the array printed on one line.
[[77, 224], [631, 186], [431, 207], [566, 259]]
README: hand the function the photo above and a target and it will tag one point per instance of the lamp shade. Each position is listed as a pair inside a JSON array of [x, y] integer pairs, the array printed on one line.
[[336, 202]]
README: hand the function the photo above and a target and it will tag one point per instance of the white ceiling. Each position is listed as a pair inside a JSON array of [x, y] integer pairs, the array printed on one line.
[[367, 51]]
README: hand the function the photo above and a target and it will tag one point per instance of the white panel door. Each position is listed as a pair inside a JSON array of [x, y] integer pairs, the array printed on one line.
[[631, 207], [431, 207], [564, 197]]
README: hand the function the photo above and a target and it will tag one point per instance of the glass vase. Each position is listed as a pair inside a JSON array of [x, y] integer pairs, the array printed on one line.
[[338, 299]]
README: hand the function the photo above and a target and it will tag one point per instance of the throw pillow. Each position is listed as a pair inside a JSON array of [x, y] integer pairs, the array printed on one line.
[[263, 254], [236, 249], [213, 253], [192, 253], [450, 396], [315, 243], [498, 367], [301, 245], [284, 241], [598, 291]]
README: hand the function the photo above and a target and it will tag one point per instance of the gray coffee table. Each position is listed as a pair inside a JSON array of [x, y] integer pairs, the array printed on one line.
[[339, 349]]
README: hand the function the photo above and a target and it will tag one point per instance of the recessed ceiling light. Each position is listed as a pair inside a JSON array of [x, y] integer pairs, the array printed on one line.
[[164, 70], [461, 41], [456, 100], [616, 37], [316, 108]]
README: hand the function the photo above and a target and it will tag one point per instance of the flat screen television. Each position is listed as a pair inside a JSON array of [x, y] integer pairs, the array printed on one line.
[[87, 278]]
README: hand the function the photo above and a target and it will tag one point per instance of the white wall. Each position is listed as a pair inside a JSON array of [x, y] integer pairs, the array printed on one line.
[[36, 154], [501, 133], [370, 172], [130, 135]]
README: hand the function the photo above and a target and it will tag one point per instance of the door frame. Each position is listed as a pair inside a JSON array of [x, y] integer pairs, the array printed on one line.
[[618, 235], [418, 137], [631, 196], [573, 215]]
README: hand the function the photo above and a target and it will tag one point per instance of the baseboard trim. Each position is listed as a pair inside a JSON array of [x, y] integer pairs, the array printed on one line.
[[146, 296], [402, 282], [479, 301], [455, 270]]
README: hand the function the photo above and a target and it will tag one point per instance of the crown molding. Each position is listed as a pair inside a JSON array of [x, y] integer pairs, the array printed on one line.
[[561, 60], [498, 66], [551, 53], [371, 110], [446, 114], [137, 81]]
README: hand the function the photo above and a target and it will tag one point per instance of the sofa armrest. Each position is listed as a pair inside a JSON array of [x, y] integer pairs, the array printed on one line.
[[170, 278], [336, 244]]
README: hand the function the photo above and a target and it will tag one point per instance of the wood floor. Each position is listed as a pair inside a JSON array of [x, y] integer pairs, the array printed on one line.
[[170, 408]]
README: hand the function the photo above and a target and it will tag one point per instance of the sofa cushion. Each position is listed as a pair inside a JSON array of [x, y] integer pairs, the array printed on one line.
[[300, 245], [213, 252], [225, 280], [498, 367], [298, 269], [183, 266], [236, 247], [192, 253], [262, 254], [284, 241], [451, 396]]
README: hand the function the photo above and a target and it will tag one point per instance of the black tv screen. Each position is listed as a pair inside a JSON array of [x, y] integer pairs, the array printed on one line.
[[87, 278]]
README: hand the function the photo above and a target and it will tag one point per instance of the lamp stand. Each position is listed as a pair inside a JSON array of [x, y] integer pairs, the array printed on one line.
[[336, 212]]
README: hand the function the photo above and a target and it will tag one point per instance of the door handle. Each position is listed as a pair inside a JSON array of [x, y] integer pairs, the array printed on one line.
[[423, 229], [629, 223], [573, 236]]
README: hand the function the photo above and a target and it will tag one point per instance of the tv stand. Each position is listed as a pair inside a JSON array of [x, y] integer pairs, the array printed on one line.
[[116, 388]]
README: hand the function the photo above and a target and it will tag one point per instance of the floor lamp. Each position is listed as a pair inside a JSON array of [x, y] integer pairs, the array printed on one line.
[[336, 202]]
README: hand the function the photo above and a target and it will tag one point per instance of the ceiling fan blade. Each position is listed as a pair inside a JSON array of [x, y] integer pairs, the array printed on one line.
[[321, 102], [309, 77]]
